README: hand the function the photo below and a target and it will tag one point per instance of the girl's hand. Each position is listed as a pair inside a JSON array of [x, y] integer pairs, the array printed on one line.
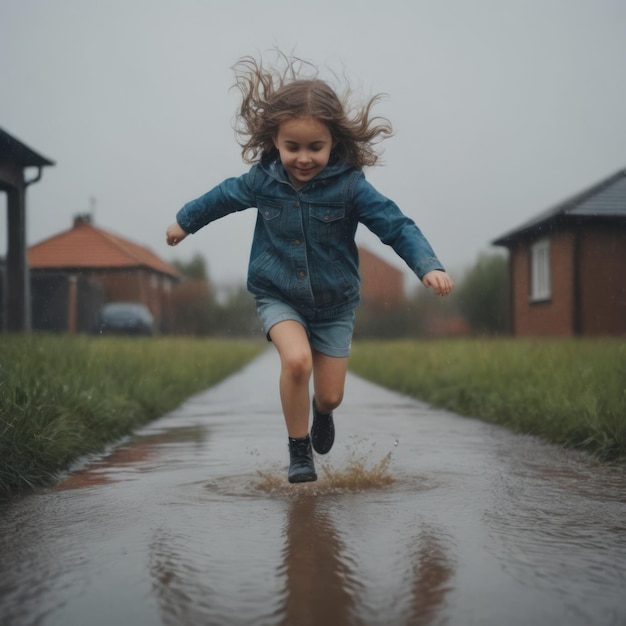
[[440, 282], [174, 234]]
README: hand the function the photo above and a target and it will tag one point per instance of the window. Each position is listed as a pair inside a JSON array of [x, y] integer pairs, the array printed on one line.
[[540, 271]]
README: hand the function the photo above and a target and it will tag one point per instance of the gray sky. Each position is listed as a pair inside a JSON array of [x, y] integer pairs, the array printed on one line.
[[501, 108]]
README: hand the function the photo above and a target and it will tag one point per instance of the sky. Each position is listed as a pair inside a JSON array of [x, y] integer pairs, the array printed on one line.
[[501, 108]]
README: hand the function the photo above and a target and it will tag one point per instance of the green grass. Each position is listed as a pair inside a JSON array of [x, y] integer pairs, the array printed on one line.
[[570, 392], [63, 397]]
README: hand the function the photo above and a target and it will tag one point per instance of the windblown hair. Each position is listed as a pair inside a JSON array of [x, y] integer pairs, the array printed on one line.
[[271, 97]]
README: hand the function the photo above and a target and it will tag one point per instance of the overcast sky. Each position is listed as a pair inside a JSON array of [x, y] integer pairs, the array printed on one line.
[[500, 108]]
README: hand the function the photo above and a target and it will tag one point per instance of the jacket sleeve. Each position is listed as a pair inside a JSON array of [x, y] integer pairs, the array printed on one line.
[[385, 219], [233, 194]]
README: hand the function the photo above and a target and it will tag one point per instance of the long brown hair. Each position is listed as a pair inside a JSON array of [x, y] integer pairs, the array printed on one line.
[[271, 97]]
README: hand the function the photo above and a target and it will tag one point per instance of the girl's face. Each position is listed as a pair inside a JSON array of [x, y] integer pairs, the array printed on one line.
[[304, 145]]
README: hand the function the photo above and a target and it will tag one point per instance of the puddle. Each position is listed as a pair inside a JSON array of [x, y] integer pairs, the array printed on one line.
[[417, 517]]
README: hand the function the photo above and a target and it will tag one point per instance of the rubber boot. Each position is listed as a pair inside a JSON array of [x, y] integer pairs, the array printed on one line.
[[322, 431], [301, 467]]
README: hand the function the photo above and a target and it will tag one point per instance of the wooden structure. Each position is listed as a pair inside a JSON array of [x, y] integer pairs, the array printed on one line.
[[15, 159]]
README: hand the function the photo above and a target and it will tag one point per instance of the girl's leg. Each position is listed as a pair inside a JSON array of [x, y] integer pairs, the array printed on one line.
[[329, 376], [296, 361], [329, 379]]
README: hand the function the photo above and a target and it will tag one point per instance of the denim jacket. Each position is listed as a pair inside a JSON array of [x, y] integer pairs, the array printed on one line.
[[303, 250]]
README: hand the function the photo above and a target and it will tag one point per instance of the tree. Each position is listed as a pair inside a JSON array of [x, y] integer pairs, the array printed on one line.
[[195, 269], [482, 295]]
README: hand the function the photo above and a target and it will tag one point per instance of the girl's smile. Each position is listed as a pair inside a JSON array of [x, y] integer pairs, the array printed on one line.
[[304, 145]]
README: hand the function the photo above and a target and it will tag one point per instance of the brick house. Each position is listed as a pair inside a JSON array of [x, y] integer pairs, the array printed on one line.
[[568, 265], [75, 272], [382, 285]]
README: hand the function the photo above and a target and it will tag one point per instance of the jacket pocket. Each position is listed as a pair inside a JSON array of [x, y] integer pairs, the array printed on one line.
[[327, 222], [268, 210]]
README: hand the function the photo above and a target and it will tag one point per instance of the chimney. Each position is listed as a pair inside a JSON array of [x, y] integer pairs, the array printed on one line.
[[82, 218]]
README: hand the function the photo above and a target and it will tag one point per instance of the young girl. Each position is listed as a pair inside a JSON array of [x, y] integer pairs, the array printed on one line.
[[308, 186]]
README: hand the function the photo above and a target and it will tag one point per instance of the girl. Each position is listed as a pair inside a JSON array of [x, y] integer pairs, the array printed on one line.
[[308, 186]]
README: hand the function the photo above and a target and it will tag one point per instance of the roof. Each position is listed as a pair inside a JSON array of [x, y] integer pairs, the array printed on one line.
[[86, 247], [606, 199], [13, 150]]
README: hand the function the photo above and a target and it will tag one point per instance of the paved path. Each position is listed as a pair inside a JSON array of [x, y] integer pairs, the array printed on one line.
[[193, 522]]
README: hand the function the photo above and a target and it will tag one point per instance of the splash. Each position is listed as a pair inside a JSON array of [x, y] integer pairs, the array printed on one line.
[[357, 475]]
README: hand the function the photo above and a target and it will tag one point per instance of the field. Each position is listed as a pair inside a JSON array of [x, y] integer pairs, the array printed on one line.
[[570, 392]]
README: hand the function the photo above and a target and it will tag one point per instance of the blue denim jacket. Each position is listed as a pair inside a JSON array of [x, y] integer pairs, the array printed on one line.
[[303, 250]]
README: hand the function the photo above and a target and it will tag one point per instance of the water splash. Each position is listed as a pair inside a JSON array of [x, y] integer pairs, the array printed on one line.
[[357, 475]]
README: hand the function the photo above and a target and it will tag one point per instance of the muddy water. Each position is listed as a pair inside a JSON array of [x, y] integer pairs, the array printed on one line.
[[419, 517]]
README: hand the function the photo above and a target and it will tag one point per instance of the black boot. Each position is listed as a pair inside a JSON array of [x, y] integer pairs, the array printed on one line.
[[322, 431], [301, 468]]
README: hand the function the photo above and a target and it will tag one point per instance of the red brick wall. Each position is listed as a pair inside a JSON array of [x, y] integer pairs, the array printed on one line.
[[602, 253], [382, 285], [553, 316], [595, 306]]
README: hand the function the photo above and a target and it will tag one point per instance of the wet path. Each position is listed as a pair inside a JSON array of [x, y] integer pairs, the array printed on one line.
[[419, 517]]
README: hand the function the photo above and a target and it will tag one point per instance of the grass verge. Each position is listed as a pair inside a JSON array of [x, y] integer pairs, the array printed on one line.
[[63, 397], [570, 391]]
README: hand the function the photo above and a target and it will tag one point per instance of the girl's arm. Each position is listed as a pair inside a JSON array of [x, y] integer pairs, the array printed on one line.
[[385, 219], [174, 234], [233, 194], [440, 282]]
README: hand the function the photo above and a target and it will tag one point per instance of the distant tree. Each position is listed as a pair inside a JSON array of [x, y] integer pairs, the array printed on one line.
[[193, 300], [195, 269], [482, 295], [237, 315]]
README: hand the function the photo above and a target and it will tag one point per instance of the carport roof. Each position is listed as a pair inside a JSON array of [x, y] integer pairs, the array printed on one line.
[[606, 199], [15, 151]]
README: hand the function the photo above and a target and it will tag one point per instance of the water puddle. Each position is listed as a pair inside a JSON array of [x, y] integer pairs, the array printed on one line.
[[417, 517]]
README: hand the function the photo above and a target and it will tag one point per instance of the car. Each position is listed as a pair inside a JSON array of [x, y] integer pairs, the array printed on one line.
[[125, 318]]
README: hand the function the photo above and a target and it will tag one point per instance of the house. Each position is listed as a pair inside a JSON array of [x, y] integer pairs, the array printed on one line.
[[75, 272], [568, 265], [15, 160], [382, 284]]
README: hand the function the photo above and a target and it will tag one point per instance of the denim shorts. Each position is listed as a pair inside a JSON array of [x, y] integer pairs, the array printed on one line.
[[328, 336]]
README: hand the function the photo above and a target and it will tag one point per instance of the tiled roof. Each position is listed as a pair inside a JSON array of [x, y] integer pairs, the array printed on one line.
[[88, 247], [606, 199], [13, 150]]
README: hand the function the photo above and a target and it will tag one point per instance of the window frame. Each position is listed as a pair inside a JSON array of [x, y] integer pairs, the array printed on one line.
[[540, 271]]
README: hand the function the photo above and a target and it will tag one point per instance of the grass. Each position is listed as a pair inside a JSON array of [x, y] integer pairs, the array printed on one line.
[[63, 397], [570, 392]]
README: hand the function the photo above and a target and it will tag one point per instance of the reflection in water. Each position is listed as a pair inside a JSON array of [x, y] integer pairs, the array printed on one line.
[[324, 557], [432, 571], [135, 454], [180, 587], [320, 584]]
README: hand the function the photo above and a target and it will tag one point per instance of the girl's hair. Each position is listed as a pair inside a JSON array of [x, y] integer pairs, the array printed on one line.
[[271, 97]]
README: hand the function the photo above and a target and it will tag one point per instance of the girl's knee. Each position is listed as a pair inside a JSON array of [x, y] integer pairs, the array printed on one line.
[[298, 366], [328, 400]]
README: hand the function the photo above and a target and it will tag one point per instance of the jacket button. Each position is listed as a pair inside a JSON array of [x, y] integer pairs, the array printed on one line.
[[302, 273], [326, 218], [296, 203], [298, 242]]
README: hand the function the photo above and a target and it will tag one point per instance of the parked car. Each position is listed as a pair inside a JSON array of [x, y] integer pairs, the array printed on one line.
[[125, 318]]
